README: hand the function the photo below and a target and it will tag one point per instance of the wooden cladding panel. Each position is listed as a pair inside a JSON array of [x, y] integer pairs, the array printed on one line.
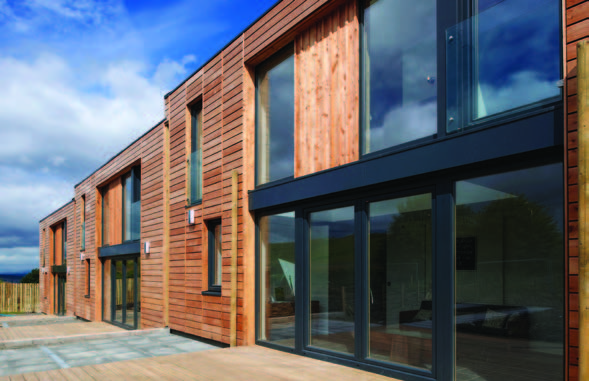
[[327, 92], [577, 29], [51, 230]]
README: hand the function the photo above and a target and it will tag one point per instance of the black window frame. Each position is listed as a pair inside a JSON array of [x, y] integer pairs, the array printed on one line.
[[288, 47], [196, 142], [213, 289]]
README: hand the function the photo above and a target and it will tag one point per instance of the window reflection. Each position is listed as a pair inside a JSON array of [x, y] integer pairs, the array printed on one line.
[[275, 117], [277, 280], [512, 48], [400, 95], [331, 299], [509, 276], [400, 295]]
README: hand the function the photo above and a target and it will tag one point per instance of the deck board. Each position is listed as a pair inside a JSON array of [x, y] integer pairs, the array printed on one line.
[[251, 363]]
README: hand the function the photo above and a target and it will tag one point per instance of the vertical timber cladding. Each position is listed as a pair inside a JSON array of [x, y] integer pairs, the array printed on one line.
[[327, 92], [219, 86], [147, 150], [47, 257], [577, 29]]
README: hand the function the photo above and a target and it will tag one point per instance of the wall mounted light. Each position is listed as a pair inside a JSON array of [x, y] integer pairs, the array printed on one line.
[[191, 217], [146, 247]]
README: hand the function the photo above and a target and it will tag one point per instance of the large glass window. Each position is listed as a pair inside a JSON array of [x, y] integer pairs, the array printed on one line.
[[509, 276], [506, 56], [400, 87], [400, 268], [277, 279], [196, 153], [275, 117], [332, 288]]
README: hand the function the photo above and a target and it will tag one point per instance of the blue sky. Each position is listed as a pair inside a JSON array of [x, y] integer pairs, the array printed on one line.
[[80, 80]]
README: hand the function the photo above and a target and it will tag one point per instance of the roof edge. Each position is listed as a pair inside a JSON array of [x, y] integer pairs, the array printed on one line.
[[223, 48], [120, 152], [57, 210]]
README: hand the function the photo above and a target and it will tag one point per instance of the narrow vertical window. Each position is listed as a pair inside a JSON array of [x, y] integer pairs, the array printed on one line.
[[275, 117], [83, 218], [196, 153], [64, 243], [87, 264], [277, 279], [399, 76], [132, 205], [215, 256]]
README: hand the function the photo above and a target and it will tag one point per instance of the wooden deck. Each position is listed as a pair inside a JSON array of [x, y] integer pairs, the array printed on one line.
[[240, 363], [55, 330]]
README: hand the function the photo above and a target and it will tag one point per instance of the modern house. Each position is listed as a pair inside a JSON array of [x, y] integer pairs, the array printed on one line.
[[383, 184]]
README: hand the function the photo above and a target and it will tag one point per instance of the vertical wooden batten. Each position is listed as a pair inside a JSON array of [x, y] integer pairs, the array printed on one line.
[[234, 222], [583, 163], [166, 227]]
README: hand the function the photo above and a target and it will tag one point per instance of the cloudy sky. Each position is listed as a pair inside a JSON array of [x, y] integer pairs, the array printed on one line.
[[81, 79]]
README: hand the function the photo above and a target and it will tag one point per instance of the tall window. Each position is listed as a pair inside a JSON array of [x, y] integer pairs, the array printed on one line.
[[400, 87], [87, 265], [215, 256], [509, 275], [83, 218], [196, 153], [277, 279], [505, 57], [275, 117], [132, 205]]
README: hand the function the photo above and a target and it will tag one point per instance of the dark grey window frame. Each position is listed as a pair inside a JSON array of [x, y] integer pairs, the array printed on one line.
[[449, 13], [441, 187], [213, 289], [88, 285], [123, 259]]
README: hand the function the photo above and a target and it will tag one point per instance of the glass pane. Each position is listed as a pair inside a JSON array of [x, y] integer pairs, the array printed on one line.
[[511, 50], [218, 256], [138, 306], [127, 203], [275, 118], [509, 276], [130, 302], [277, 279], [118, 292], [400, 72], [196, 155], [332, 279], [136, 205], [400, 295]]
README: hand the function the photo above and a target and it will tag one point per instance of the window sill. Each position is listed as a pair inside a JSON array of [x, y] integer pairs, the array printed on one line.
[[211, 293], [196, 203]]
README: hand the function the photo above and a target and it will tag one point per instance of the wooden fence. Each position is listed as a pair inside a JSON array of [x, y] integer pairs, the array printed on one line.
[[19, 297]]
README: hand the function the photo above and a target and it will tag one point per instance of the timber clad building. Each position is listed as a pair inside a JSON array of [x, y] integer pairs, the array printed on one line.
[[384, 184]]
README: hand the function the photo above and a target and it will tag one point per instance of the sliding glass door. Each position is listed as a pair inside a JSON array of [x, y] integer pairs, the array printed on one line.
[[457, 279]]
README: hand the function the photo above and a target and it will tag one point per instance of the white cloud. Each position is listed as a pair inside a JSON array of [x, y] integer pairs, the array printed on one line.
[[19, 259]]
